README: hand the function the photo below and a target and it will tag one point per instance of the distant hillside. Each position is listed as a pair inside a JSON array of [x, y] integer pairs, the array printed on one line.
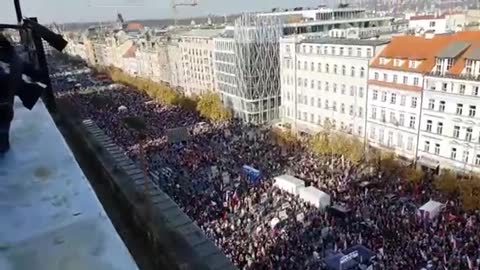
[[155, 22]]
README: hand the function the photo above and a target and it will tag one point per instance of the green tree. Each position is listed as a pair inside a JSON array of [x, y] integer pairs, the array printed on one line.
[[447, 182], [412, 175]]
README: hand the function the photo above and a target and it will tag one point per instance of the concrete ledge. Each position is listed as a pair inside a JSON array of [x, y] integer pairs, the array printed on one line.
[[162, 220]]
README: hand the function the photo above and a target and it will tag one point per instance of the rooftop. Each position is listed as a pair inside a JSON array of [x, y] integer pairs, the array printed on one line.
[[338, 41], [460, 46], [51, 217]]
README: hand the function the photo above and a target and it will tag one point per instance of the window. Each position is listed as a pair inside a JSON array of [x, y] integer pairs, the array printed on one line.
[[319, 85], [392, 117], [325, 50], [350, 51], [342, 108], [456, 131], [359, 52], [393, 98], [426, 147], [441, 107], [429, 125], [465, 156], [312, 66], [287, 47], [459, 109], [400, 140], [369, 52], [468, 134], [299, 81], [327, 68], [390, 139], [437, 149], [382, 116], [384, 96], [312, 101], [472, 111], [352, 71], [412, 122], [477, 160], [319, 67], [344, 89], [414, 102], [415, 81], [333, 51], [351, 112], [385, 77], [375, 94], [431, 104], [352, 91], [376, 75], [444, 86], [360, 112], [405, 80], [318, 50], [312, 118], [362, 72], [432, 23], [305, 83], [344, 70], [305, 65], [311, 49], [334, 88], [326, 87], [410, 144], [326, 105], [453, 153], [461, 90], [299, 65], [334, 106], [304, 49], [374, 113], [312, 84], [401, 120], [475, 90], [334, 69], [381, 135], [439, 128], [305, 116], [360, 92], [372, 133], [403, 100], [319, 103], [395, 77]]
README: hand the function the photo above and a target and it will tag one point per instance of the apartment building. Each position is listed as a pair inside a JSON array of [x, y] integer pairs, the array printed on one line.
[[396, 80], [147, 56], [324, 83], [130, 61], [197, 48], [450, 130], [174, 53]]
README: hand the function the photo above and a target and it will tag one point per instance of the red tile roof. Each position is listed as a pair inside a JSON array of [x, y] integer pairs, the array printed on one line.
[[426, 50], [133, 26]]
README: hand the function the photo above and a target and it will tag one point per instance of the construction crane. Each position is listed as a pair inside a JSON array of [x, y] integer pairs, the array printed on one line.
[[176, 4]]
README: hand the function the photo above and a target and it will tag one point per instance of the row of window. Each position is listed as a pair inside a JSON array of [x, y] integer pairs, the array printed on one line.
[[327, 68], [472, 109], [456, 131], [310, 117], [457, 88], [392, 118], [390, 142], [303, 99], [393, 98], [326, 86], [332, 50], [394, 79], [453, 153]]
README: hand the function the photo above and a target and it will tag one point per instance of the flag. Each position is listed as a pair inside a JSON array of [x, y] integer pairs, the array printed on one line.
[[335, 248], [445, 258], [424, 256], [403, 210]]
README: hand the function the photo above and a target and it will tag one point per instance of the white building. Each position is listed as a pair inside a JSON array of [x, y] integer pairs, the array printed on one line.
[[450, 131], [174, 53], [130, 61], [324, 81], [438, 24], [197, 48], [395, 95]]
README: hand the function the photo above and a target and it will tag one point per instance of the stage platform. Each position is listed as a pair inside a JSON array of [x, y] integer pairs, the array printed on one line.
[[50, 217]]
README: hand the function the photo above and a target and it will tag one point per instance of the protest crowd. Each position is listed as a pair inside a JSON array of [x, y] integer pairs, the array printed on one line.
[[204, 176]]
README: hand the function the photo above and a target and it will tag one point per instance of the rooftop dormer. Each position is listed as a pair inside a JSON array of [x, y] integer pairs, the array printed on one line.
[[446, 58]]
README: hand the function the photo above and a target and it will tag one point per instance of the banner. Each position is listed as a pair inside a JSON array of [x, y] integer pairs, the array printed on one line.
[[253, 175]]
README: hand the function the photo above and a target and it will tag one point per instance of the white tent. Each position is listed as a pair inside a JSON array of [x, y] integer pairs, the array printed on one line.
[[289, 184], [432, 207], [315, 196]]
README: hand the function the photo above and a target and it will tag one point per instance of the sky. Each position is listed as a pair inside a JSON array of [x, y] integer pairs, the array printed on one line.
[[61, 11]]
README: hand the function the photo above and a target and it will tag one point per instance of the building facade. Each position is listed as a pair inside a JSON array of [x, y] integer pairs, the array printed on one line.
[[197, 48], [450, 131], [248, 68], [324, 83]]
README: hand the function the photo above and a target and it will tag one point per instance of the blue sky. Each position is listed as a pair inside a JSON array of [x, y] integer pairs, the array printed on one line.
[[105, 10]]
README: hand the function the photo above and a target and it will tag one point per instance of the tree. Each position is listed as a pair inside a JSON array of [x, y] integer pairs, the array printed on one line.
[[210, 106], [320, 143], [447, 182], [470, 193], [412, 175]]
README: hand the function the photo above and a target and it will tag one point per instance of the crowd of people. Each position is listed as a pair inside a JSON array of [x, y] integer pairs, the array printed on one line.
[[204, 175]]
